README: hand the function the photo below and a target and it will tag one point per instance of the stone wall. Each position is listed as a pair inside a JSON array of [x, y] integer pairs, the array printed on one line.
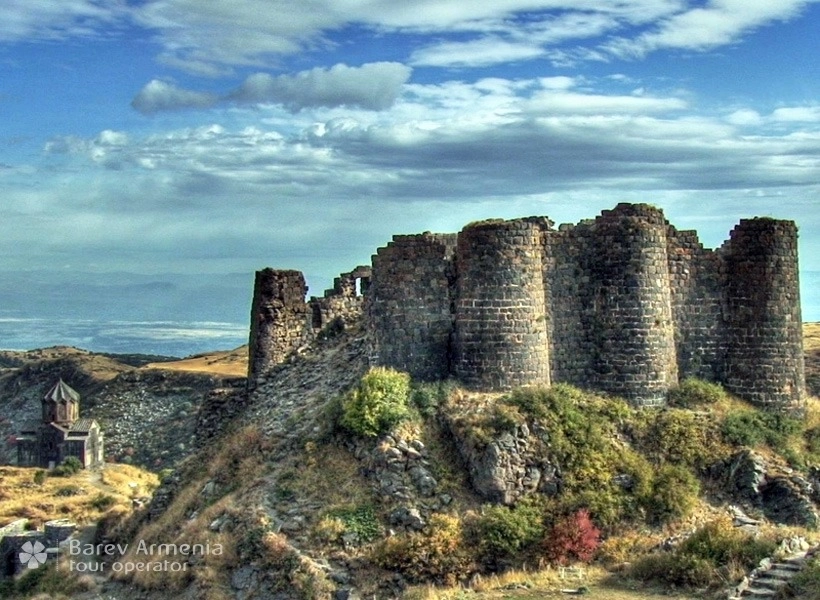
[[623, 303], [278, 320], [409, 305], [283, 322], [697, 282], [764, 349]]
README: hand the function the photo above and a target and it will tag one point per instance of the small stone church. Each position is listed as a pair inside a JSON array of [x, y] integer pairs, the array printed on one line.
[[61, 433]]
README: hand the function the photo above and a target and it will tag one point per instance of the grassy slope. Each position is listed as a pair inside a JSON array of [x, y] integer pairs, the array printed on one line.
[[230, 363], [82, 497], [343, 487]]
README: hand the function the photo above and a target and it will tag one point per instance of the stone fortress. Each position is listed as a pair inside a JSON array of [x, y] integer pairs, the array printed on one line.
[[624, 303]]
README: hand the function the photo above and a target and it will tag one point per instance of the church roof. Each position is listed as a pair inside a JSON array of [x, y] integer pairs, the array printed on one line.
[[62, 392], [30, 427], [83, 425]]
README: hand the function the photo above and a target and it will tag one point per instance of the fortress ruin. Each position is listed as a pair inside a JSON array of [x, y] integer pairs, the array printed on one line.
[[623, 303]]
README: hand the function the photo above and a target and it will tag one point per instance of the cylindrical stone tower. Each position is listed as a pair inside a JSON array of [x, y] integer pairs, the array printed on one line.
[[764, 357], [631, 311], [501, 334], [279, 320], [408, 305]]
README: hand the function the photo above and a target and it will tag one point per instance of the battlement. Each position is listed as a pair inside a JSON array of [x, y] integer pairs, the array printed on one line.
[[623, 303]]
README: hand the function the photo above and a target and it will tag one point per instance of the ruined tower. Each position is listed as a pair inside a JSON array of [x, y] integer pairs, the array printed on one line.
[[764, 350], [500, 336]]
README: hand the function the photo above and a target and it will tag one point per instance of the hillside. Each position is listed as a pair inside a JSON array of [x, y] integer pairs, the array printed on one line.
[[148, 408], [307, 509], [303, 508]]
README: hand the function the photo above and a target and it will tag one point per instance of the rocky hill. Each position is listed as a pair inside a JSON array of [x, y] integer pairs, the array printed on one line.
[[468, 488], [148, 406]]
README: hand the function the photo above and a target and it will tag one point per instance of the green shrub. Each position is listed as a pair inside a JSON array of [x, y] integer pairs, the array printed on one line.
[[675, 569], [69, 466], [68, 490], [581, 433], [436, 553], [676, 436], [674, 494], [427, 397], [694, 392], [377, 403], [39, 477], [360, 520], [753, 427], [702, 559], [102, 501], [722, 544], [501, 533], [806, 583], [506, 417]]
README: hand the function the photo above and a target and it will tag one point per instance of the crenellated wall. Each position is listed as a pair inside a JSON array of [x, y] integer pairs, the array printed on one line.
[[623, 303]]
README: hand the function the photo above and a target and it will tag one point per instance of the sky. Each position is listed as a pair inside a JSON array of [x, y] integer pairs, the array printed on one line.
[[148, 142]]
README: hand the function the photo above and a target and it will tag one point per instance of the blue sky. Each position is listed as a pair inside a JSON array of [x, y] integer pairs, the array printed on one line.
[[209, 137]]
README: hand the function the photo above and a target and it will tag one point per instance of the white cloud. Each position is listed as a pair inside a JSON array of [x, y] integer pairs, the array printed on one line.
[[718, 23], [205, 37], [562, 102], [157, 96], [475, 53], [797, 114], [58, 19], [782, 115], [745, 117]]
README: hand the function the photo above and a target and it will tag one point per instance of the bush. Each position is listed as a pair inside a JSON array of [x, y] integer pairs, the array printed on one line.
[[39, 477], [694, 392], [703, 559], [103, 501], [582, 432], [436, 553], [675, 569], [722, 544], [806, 583], [754, 427], [359, 520], [676, 436], [674, 494], [501, 533], [572, 538], [377, 403], [69, 466], [427, 397]]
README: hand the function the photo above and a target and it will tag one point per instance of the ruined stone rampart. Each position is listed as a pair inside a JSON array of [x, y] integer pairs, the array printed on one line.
[[623, 303], [282, 322], [409, 308]]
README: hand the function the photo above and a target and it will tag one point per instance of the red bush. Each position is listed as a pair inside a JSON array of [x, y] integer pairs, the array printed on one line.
[[574, 537]]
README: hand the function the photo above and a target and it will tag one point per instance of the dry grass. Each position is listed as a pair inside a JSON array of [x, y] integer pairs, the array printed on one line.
[[235, 467], [232, 363], [547, 583], [82, 497]]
